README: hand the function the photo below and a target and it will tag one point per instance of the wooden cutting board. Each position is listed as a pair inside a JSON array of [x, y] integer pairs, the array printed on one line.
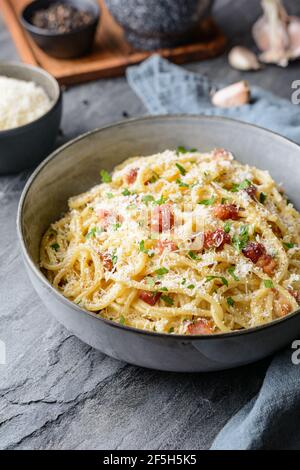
[[111, 53]]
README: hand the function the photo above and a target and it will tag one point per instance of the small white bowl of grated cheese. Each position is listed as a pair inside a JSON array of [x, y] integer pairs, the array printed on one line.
[[30, 113]]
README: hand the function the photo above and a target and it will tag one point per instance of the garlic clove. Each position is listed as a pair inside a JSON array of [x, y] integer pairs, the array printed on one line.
[[241, 58], [233, 95], [275, 57]]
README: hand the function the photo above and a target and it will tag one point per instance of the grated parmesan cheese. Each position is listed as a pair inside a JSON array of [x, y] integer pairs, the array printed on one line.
[[21, 102]]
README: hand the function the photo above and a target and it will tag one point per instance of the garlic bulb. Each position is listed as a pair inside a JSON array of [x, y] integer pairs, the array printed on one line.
[[242, 58], [277, 34], [294, 34], [236, 94]]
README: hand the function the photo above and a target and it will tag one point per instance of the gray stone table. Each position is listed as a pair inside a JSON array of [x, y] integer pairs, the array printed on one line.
[[55, 391]]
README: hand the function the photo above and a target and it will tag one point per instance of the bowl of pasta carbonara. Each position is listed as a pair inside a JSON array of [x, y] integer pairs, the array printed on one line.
[[190, 250]]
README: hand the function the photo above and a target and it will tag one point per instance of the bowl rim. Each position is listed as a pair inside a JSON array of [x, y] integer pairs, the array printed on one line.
[[31, 28], [18, 130], [38, 273]]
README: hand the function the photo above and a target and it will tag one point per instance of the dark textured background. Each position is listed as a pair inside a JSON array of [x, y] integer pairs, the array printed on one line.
[[55, 391]]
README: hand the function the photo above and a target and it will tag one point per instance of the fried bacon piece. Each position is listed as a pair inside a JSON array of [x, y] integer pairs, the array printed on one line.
[[251, 191], [226, 211], [162, 218], [216, 239], [103, 216], [221, 153], [107, 261], [107, 217], [149, 297], [256, 252], [131, 175], [267, 263], [166, 245], [202, 326]]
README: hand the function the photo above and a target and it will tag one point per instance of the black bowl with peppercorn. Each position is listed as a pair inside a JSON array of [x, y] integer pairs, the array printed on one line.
[[62, 28]]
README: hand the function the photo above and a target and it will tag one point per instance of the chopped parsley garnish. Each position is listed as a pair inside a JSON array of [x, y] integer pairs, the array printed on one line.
[[162, 289], [262, 198], [131, 206], [160, 201], [181, 169], [117, 226], [191, 286], [230, 301], [224, 199], [145, 250], [289, 245], [122, 320], [268, 283], [142, 246], [151, 283], [109, 195], [161, 271], [243, 185], [171, 330], [181, 184], [167, 299], [183, 281], [232, 274], [240, 241], [227, 227], [55, 246], [193, 255], [91, 233], [207, 202], [147, 198], [105, 176], [114, 258], [223, 279], [182, 149], [126, 192]]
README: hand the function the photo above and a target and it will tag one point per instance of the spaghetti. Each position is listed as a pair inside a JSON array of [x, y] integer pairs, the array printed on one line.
[[180, 242]]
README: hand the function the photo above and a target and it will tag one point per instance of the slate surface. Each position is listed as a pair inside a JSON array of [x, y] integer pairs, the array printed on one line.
[[55, 391]]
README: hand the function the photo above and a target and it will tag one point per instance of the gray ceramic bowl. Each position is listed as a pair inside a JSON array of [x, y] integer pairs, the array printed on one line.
[[25, 146], [152, 24], [62, 45], [75, 168]]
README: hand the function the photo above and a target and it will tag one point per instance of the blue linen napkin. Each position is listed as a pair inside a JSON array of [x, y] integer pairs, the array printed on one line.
[[271, 419], [166, 88]]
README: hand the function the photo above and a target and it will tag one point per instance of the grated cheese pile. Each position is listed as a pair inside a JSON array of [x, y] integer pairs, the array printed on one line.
[[21, 102]]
